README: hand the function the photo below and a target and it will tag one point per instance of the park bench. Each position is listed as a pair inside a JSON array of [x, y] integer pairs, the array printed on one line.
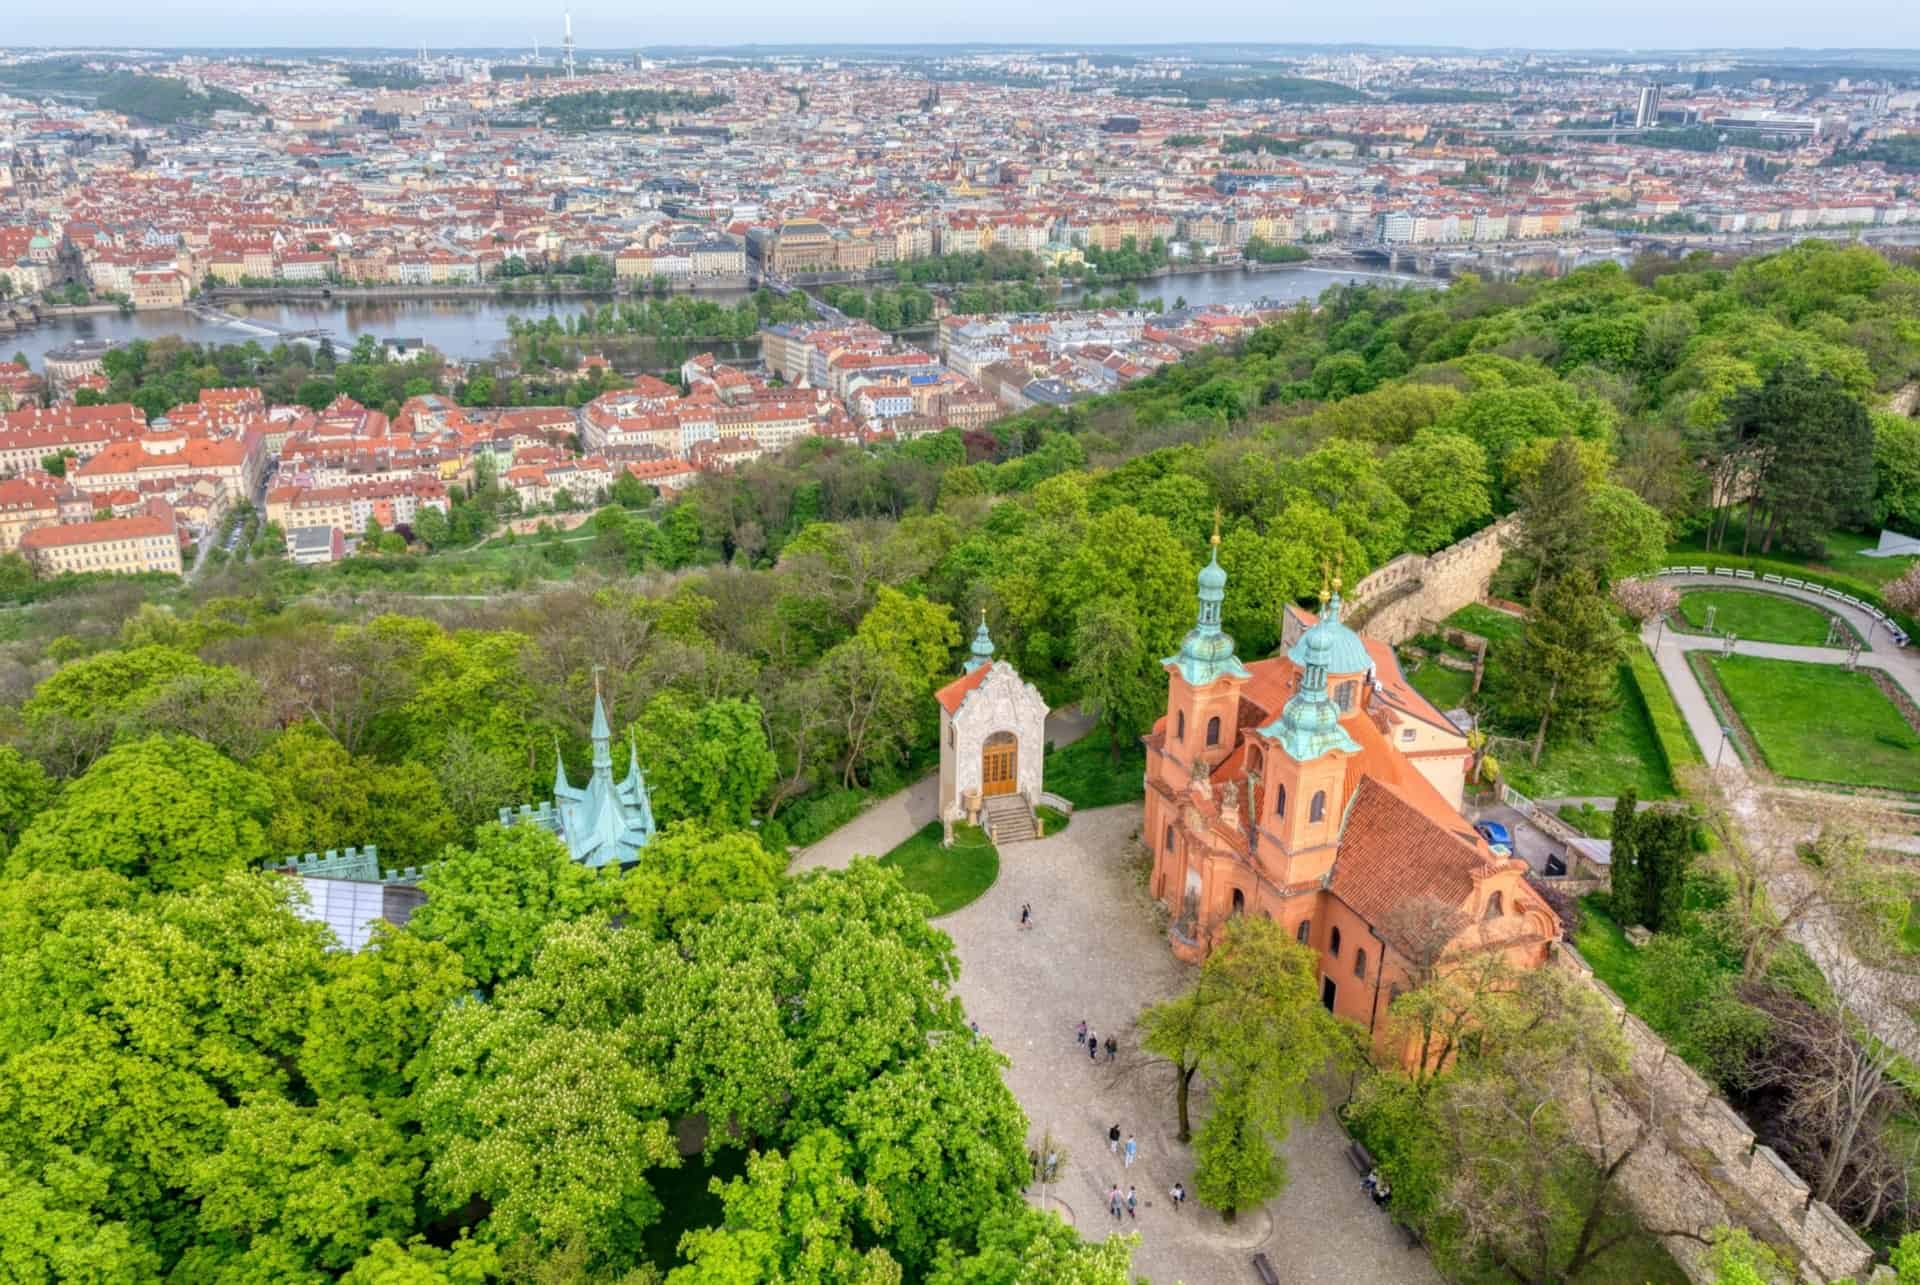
[[1263, 1268]]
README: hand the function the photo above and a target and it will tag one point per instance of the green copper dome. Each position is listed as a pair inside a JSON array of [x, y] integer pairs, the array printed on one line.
[[1207, 652], [981, 652], [1344, 652], [1309, 726]]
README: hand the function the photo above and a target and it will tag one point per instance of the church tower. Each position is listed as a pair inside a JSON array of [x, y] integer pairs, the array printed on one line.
[[1301, 800], [1205, 678]]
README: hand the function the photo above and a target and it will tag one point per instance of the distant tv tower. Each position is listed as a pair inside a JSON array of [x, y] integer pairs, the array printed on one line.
[[566, 46]]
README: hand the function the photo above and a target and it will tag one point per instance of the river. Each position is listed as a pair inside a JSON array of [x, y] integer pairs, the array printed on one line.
[[471, 327]]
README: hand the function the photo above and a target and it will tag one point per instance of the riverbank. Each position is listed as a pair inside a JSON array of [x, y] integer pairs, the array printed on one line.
[[490, 290]]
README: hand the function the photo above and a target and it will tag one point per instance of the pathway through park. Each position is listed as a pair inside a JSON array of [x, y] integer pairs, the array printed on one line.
[[1099, 953], [1874, 1001]]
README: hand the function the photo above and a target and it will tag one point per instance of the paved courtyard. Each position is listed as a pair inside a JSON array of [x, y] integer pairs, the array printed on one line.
[[1099, 954]]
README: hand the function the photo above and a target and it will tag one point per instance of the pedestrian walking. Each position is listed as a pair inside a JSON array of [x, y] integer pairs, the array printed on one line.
[[1093, 1048], [1113, 1139], [1178, 1194], [1112, 1048], [1133, 1150], [1114, 1202], [1133, 1204], [1080, 1033], [1026, 914]]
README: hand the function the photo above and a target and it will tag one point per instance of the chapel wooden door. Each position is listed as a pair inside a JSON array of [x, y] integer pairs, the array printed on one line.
[[999, 764]]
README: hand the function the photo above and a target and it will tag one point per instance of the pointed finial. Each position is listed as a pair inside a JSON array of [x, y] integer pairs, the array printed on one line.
[[1216, 526], [1338, 558]]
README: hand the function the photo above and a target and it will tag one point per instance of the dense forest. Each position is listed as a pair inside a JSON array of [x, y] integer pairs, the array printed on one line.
[[190, 1084]]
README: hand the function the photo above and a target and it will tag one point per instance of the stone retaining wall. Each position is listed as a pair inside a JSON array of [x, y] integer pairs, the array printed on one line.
[[1396, 602], [1703, 1166]]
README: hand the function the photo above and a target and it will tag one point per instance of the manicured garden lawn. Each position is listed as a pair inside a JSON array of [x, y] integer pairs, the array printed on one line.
[[952, 877], [1820, 723], [1759, 617], [1622, 753], [1910, 931], [1446, 688], [1485, 621], [1085, 774]]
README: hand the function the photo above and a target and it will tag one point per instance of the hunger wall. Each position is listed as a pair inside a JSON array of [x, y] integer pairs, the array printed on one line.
[[1701, 1165], [1402, 598]]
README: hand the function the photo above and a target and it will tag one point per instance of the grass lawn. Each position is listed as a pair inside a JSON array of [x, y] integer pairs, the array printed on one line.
[[1051, 821], [1844, 555], [1622, 753], [1910, 931], [1446, 688], [688, 1203], [1760, 617], [1615, 960], [1085, 774], [1485, 621], [1820, 723], [952, 877]]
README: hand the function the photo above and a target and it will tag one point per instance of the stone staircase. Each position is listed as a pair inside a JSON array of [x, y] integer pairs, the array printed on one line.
[[1008, 819]]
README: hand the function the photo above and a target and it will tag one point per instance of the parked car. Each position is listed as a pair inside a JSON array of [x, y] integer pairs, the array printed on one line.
[[1495, 834]]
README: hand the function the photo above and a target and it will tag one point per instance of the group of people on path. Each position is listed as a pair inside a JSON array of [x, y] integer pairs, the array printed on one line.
[[1085, 1038]]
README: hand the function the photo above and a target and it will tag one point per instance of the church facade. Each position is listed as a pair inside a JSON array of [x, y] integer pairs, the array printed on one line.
[[993, 737], [1319, 789]]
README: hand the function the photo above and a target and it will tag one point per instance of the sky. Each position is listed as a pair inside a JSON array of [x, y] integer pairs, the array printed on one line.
[[610, 24]]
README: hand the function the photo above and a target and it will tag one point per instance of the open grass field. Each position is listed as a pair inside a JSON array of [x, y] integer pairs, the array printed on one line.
[[1756, 616], [1621, 754], [952, 877], [1085, 774], [1844, 556], [1446, 688], [1820, 723], [1485, 621]]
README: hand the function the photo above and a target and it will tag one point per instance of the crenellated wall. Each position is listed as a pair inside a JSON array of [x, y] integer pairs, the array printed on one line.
[[1400, 599], [1702, 1166]]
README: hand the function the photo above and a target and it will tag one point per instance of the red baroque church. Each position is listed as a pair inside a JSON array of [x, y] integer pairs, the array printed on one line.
[[1319, 789]]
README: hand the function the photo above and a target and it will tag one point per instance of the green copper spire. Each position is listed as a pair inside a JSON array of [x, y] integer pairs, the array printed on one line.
[[1309, 725], [981, 652], [1207, 652]]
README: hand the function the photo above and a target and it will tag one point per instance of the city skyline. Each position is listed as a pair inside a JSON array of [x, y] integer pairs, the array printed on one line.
[[1479, 24]]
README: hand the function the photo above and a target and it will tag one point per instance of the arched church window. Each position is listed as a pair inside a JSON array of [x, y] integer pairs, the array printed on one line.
[[1301, 933], [1180, 725], [1279, 799], [1333, 942], [1360, 964], [1494, 910], [1318, 811], [1239, 902], [1213, 730]]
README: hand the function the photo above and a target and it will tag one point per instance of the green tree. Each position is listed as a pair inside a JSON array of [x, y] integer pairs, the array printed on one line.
[[1443, 479], [793, 1219], [704, 761], [690, 871], [1632, 533], [165, 811], [914, 634], [25, 791], [1018, 1244], [1120, 681], [1558, 531], [490, 902], [1254, 1027], [1561, 672]]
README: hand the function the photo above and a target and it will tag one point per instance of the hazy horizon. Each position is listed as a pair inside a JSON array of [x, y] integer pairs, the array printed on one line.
[[599, 24]]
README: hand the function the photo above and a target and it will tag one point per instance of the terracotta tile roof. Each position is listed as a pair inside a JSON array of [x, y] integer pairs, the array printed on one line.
[[1391, 850], [951, 696]]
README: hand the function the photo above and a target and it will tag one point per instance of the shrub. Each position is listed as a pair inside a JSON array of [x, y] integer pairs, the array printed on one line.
[[1669, 726]]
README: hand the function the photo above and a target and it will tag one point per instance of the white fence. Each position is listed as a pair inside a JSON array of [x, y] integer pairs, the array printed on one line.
[[1894, 631]]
